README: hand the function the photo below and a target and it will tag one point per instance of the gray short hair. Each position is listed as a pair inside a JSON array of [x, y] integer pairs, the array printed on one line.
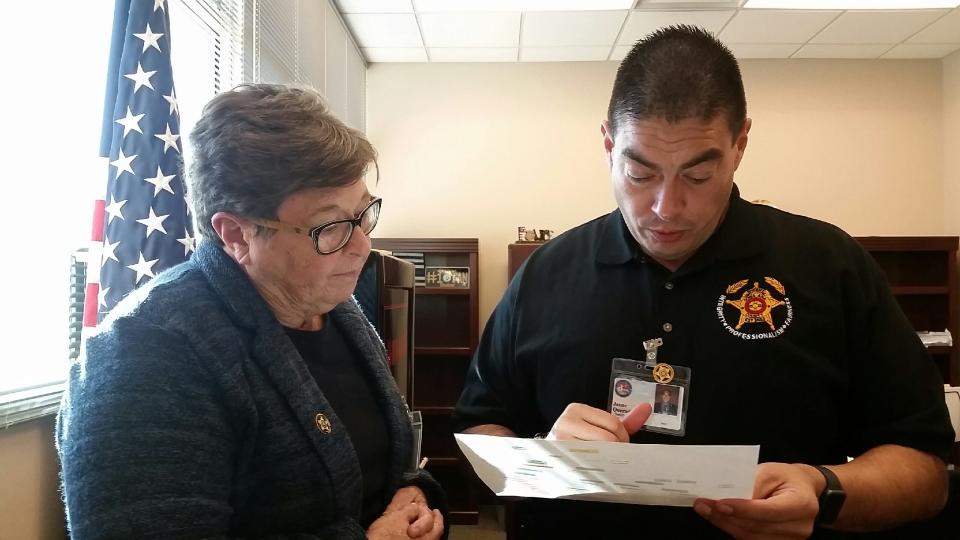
[[257, 144]]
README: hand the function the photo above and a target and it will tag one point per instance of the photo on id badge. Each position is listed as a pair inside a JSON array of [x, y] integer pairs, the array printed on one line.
[[666, 399]]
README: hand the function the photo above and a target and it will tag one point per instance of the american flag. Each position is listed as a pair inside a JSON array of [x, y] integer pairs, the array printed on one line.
[[143, 226]]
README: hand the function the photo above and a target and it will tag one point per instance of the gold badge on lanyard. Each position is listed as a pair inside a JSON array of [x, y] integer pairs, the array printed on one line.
[[663, 387], [663, 373]]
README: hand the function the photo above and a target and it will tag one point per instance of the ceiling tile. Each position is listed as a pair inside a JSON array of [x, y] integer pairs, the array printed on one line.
[[775, 25], [641, 23], [819, 50], [946, 30], [850, 4], [395, 54], [619, 52], [571, 28], [473, 54], [385, 30], [453, 6], [704, 4], [877, 26], [563, 54], [922, 50], [470, 29], [762, 50], [374, 6]]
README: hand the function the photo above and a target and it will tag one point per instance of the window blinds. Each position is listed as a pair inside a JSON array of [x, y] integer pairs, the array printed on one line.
[[306, 42]]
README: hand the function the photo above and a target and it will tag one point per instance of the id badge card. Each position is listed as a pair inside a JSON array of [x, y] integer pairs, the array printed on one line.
[[665, 387], [416, 425]]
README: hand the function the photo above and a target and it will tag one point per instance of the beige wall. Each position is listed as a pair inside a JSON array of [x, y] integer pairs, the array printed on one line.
[[476, 149], [951, 143], [30, 504]]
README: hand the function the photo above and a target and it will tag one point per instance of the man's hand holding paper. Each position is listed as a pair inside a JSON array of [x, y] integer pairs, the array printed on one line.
[[581, 422]]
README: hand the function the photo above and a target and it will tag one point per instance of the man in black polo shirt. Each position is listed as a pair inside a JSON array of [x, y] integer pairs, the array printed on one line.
[[790, 333]]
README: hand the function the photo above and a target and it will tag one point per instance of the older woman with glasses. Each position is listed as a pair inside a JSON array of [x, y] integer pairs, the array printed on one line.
[[242, 393]]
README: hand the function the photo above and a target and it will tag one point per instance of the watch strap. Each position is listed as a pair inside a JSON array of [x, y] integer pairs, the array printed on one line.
[[831, 499]]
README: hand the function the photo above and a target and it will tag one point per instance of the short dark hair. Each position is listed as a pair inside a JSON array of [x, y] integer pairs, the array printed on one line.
[[257, 144], [675, 73]]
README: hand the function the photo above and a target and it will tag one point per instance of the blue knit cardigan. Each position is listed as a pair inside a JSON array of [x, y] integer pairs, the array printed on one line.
[[192, 415]]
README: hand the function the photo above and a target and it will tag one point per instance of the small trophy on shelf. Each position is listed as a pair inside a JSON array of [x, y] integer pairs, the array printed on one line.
[[529, 235]]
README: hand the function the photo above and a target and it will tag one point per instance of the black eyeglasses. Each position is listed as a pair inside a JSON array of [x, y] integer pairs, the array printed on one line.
[[332, 236]]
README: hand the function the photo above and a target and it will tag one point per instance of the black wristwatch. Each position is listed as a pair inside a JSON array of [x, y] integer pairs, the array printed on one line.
[[831, 498]]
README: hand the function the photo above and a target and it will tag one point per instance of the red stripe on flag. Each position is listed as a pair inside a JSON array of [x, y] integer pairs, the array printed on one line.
[[96, 231], [90, 305], [91, 299]]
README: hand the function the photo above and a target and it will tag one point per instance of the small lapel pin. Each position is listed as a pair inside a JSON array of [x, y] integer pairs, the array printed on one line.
[[323, 424]]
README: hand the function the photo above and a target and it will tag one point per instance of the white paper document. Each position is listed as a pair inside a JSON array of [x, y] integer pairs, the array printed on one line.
[[656, 474]]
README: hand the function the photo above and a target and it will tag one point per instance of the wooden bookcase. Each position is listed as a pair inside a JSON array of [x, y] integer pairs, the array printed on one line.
[[922, 272], [446, 331], [518, 252]]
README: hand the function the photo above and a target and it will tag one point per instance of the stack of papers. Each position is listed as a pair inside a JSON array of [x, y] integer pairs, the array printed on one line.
[[930, 339], [656, 474]]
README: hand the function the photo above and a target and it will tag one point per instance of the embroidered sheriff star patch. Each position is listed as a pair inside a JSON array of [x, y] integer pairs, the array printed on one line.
[[760, 314]]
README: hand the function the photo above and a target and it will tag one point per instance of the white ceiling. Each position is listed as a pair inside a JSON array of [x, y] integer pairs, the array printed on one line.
[[464, 31]]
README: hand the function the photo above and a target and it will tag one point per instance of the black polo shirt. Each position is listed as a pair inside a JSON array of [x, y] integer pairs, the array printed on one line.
[[827, 367]]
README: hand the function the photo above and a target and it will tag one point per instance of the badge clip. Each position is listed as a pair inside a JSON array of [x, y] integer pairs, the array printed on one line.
[[663, 373], [651, 346]]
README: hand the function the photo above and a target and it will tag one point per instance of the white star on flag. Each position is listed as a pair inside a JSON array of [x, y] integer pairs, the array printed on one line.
[[189, 243], [160, 182], [115, 209], [153, 223], [131, 122], [172, 100], [149, 39], [123, 163], [143, 268], [108, 251], [169, 139], [102, 296], [158, 4], [140, 78]]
